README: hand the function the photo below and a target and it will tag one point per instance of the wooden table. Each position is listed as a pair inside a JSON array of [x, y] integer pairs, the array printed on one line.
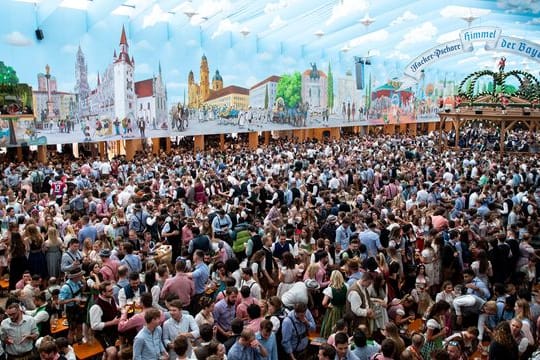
[[477, 355], [4, 286], [87, 350], [315, 338], [163, 255], [415, 326], [61, 325]]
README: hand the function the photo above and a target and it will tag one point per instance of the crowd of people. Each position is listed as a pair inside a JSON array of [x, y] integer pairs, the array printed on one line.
[[327, 248]]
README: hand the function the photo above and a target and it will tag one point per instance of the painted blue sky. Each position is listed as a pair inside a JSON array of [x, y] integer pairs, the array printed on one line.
[[249, 40]]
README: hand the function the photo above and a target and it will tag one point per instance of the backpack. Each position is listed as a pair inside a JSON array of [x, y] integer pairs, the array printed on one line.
[[279, 335], [37, 178], [241, 236], [384, 238]]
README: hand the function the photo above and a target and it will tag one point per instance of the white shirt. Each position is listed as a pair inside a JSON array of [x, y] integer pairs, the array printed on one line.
[[40, 317], [96, 314], [171, 329], [356, 302], [296, 294], [122, 301], [254, 287]]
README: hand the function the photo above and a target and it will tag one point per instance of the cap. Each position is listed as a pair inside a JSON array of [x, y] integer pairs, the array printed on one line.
[[311, 284], [75, 273], [105, 253]]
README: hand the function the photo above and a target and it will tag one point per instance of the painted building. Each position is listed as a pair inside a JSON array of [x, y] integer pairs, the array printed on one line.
[[235, 97], [257, 93], [117, 95], [347, 93], [314, 87], [82, 89], [199, 93], [152, 101], [63, 104]]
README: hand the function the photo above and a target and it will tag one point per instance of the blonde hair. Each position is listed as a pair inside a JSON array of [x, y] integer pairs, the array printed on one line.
[[312, 270], [336, 280], [87, 244], [52, 236], [525, 309], [70, 230]]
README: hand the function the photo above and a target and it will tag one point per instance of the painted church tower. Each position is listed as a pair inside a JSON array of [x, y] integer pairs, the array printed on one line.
[[205, 79], [124, 89], [82, 89], [217, 81], [193, 92]]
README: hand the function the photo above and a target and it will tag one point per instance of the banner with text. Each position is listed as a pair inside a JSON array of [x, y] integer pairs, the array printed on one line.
[[491, 37]]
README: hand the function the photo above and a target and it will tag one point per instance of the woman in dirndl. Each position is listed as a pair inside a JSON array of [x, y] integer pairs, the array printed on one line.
[[335, 297]]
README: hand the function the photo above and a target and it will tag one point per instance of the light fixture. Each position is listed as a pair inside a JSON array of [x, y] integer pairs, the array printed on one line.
[[319, 33], [367, 20], [245, 31], [190, 11], [345, 48], [469, 18], [526, 111]]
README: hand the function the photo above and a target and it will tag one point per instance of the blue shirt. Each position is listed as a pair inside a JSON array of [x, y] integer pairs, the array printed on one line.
[[70, 290], [224, 314], [88, 231], [200, 277], [133, 262], [482, 292], [269, 344], [343, 235], [148, 345], [350, 356], [366, 352], [295, 333], [372, 242], [240, 352]]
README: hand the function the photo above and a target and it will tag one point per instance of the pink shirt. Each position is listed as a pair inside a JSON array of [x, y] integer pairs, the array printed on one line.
[[187, 234], [109, 270], [181, 285], [241, 308], [136, 322], [254, 325]]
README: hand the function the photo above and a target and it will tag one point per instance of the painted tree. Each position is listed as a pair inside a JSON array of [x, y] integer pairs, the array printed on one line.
[[266, 97], [290, 89], [8, 76], [330, 87], [8, 86]]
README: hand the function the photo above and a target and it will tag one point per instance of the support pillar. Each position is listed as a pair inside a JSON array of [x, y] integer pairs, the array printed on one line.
[[412, 128], [389, 129], [431, 126], [253, 140], [168, 144], [267, 136], [335, 133], [155, 146], [42, 154], [198, 143], [222, 142], [319, 133], [299, 134], [102, 149], [403, 129], [132, 146], [19, 153], [457, 125]]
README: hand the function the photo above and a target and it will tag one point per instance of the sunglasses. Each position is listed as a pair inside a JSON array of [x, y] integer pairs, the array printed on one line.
[[455, 343]]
